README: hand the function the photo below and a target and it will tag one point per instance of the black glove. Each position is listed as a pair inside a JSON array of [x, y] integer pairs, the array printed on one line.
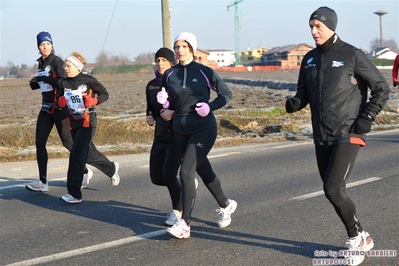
[[292, 104], [49, 80], [33, 84], [362, 124], [395, 84]]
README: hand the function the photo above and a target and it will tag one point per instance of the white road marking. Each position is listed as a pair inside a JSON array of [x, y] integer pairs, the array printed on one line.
[[353, 184], [224, 154], [89, 249]]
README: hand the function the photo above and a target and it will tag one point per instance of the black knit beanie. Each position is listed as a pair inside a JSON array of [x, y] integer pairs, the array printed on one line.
[[327, 16], [166, 53]]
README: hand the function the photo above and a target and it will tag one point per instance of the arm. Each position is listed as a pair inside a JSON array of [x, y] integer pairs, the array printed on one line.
[[300, 100], [223, 92], [375, 81], [395, 69]]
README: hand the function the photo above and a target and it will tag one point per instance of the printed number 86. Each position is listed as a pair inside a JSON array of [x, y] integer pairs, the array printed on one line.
[[75, 99]]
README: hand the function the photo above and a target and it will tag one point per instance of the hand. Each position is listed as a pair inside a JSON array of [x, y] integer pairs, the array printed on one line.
[[292, 104], [362, 124], [90, 101], [202, 109], [162, 96], [62, 101], [167, 114], [33, 84], [150, 119], [395, 84]]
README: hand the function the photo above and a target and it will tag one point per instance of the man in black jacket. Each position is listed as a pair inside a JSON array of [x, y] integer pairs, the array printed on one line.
[[334, 79]]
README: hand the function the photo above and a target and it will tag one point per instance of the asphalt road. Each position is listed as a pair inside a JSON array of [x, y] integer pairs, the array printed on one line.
[[282, 217]]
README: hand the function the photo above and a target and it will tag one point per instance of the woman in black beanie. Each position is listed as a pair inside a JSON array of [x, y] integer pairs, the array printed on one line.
[[164, 160]]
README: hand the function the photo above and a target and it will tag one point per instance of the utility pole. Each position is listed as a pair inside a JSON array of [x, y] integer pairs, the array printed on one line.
[[237, 30], [380, 13], [166, 28]]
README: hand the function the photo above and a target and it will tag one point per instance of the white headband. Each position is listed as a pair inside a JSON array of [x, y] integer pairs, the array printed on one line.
[[75, 61]]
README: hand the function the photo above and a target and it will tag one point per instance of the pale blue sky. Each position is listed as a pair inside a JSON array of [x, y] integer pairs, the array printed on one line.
[[137, 26]]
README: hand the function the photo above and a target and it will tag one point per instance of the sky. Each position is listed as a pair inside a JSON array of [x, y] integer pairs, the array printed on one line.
[[132, 27]]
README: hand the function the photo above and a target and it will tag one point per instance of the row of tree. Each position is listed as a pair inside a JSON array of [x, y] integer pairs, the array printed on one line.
[[106, 60]]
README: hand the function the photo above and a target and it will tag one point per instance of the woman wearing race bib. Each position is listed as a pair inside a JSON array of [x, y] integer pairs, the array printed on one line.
[[80, 94], [50, 70]]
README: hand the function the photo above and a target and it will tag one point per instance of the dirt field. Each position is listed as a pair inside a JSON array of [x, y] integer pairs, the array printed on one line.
[[20, 105]]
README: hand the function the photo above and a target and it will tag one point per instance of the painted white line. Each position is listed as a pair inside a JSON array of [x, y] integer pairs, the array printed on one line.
[[31, 181], [89, 249], [224, 154], [353, 184], [292, 145]]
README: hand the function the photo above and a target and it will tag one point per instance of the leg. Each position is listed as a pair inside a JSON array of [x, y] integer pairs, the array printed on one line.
[[335, 164], [44, 125], [99, 160], [77, 159], [197, 147]]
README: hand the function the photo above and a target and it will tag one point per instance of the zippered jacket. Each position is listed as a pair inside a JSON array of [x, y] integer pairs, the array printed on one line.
[[188, 85], [334, 81], [86, 85]]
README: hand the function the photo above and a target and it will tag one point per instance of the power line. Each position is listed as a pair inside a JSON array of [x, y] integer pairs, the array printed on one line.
[[109, 26]]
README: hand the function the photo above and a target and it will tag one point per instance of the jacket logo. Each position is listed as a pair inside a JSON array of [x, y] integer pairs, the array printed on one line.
[[201, 145], [337, 64], [309, 63], [195, 80]]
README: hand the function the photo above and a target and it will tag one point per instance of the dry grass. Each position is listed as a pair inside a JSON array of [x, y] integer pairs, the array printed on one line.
[[254, 115]]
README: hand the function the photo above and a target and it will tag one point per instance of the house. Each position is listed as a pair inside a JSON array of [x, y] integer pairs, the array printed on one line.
[[202, 56], [252, 57], [383, 53], [223, 58], [289, 56]]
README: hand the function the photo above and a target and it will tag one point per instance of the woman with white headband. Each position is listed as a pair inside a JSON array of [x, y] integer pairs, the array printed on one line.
[[81, 93]]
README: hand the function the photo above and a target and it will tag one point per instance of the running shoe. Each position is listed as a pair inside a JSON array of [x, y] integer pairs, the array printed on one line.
[[38, 186], [86, 178], [173, 217], [225, 214], [70, 199], [357, 246], [115, 178], [180, 229]]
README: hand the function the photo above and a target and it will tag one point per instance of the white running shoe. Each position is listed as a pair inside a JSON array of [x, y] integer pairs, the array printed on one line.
[[225, 213], [70, 199], [115, 178], [173, 217], [86, 178], [357, 246], [180, 229], [38, 186]]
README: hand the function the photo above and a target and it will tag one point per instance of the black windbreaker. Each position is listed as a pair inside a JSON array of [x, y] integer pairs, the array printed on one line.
[[334, 80]]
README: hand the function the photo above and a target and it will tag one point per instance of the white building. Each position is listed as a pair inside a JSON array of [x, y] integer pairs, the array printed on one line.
[[222, 57], [383, 53]]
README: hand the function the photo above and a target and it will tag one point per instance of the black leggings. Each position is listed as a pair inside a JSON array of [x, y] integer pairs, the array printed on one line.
[[335, 164], [164, 164], [195, 148], [44, 125]]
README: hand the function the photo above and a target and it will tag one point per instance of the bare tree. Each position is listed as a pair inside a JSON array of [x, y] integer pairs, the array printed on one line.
[[144, 58], [376, 43]]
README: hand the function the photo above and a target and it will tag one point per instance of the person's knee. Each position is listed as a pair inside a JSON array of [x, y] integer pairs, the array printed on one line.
[[333, 194]]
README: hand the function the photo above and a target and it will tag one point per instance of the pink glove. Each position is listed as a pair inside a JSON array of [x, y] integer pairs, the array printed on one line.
[[202, 109], [165, 105], [162, 96]]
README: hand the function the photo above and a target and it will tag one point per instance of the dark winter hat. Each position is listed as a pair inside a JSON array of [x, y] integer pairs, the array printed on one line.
[[43, 36], [166, 53], [327, 16]]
